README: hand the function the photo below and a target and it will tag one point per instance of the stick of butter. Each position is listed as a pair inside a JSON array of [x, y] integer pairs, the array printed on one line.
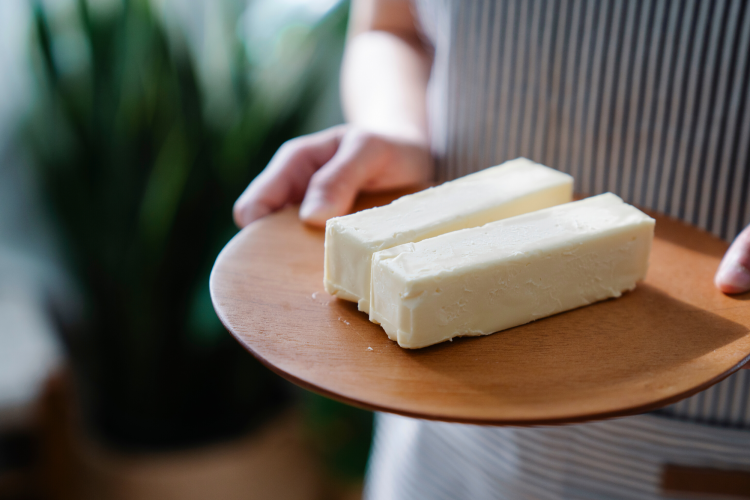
[[508, 273], [513, 188]]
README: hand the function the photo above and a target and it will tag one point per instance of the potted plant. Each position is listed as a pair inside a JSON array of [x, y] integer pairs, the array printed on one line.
[[140, 181]]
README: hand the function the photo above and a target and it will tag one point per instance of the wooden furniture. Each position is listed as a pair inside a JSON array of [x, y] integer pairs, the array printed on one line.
[[672, 337]]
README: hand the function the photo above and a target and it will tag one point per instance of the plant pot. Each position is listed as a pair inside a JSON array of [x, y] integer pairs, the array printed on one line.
[[272, 462]]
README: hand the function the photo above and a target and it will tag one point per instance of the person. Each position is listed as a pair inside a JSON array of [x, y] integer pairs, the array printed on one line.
[[645, 99]]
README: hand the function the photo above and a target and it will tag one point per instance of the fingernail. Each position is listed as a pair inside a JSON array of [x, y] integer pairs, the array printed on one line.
[[733, 278], [315, 210]]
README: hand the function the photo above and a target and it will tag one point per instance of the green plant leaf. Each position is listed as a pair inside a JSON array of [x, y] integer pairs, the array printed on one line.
[[164, 189]]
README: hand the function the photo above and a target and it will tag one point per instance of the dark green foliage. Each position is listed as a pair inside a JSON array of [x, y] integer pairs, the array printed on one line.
[[141, 186]]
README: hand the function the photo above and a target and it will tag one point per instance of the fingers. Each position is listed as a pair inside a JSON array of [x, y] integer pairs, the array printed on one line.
[[285, 178], [363, 161], [733, 275], [333, 188]]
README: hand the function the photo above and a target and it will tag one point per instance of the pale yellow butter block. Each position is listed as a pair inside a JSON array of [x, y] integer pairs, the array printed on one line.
[[508, 273], [515, 187]]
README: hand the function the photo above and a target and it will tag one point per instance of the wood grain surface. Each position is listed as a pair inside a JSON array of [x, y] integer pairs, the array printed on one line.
[[671, 337]]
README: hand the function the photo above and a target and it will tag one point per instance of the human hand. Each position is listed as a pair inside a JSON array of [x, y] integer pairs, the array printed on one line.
[[733, 275], [326, 170]]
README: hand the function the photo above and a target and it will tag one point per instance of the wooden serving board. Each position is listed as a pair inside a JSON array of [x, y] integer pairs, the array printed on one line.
[[670, 338]]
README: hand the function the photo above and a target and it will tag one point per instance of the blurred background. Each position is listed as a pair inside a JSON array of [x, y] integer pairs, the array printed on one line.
[[127, 130]]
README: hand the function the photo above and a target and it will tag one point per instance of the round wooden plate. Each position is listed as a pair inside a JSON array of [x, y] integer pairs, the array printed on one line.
[[670, 338]]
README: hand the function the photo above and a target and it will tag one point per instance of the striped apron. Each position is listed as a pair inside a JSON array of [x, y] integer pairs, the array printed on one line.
[[649, 99]]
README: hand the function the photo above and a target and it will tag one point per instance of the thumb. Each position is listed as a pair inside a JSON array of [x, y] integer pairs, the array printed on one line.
[[733, 275]]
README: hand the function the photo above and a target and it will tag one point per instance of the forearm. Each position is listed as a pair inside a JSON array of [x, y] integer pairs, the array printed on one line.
[[385, 71]]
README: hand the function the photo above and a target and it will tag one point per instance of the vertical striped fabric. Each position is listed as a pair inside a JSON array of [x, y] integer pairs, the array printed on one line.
[[617, 459], [647, 99]]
